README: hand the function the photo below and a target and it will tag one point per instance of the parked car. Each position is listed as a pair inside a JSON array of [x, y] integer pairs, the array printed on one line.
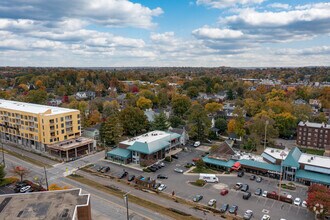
[[248, 214], [175, 156], [233, 209], [265, 217], [245, 187], [246, 195], [224, 192], [238, 186], [304, 204], [130, 178], [197, 198], [212, 202], [156, 185], [240, 174], [178, 170], [105, 169], [196, 159], [152, 169], [161, 176], [259, 179], [297, 201], [162, 187], [99, 169], [224, 208], [122, 175], [197, 144], [24, 189], [264, 193], [258, 192], [162, 164], [253, 177]]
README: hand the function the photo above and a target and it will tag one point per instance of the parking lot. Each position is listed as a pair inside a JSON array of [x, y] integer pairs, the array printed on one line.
[[179, 183]]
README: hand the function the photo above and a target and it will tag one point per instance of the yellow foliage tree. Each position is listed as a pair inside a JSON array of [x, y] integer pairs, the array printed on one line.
[[231, 126], [213, 107], [144, 103]]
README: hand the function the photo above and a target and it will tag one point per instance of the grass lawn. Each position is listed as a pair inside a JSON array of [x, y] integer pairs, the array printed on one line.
[[28, 159], [312, 151], [203, 170], [139, 201]]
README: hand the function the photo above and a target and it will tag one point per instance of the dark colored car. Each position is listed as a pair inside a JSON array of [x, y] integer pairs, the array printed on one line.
[[161, 176], [233, 209], [224, 208], [258, 192], [245, 187], [99, 169], [153, 169], [246, 195], [259, 179], [105, 169], [197, 198], [240, 174], [224, 192], [253, 177], [130, 178], [175, 156], [122, 175]]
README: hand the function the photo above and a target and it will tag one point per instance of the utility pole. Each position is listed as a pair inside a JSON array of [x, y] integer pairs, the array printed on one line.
[[46, 178], [280, 185], [126, 201], [267, 122], [3, 155]]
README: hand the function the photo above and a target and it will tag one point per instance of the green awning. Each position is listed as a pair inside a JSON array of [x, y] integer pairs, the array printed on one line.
[[120, 152], [148, 148], [221, 163], [261, 165], [313, 177]]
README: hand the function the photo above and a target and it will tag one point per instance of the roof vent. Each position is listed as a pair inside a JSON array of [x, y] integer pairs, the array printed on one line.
[[309, 161], [312, 158], [272, 151]]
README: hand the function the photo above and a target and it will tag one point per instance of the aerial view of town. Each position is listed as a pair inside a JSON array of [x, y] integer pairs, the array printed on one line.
[[161, 110]]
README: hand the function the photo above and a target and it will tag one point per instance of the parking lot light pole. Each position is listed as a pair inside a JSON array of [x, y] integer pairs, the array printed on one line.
[[267, 122], [126, 201], [3, 155], [46, 179]]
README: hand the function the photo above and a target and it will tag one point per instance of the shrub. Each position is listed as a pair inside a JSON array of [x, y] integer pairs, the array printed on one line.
[[200, 182], [167, 159], [146, 170]]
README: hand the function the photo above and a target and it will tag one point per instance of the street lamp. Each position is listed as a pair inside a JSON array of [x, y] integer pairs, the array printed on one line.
[[267, 122], [126, 201], [3, 155]]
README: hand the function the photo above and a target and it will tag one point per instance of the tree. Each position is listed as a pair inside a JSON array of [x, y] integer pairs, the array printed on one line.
[[319, 118], [198, 122], [252, 106], [231, 126], [20, 171], [2, 172], [110, 108], [221, 124], [163, 98], [213, 107], [94, 117], [144, 103], [133, 120], [180, 105], [160, 122], [111, 130], [286, 124], [318, 194], [36, 96], [302, 112], [230, 94], [192, 91], [175, 121]]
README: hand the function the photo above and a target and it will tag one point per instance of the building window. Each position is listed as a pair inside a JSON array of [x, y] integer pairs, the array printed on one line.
[[63, 131], [50, 140], [62, 125], [62, 119]]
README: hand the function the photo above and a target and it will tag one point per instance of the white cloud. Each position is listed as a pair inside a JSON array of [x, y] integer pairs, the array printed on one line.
[[279, 6], [226, 3], [217, 34]]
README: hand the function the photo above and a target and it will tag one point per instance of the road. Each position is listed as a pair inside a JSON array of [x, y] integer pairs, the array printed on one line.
[[104, 206]]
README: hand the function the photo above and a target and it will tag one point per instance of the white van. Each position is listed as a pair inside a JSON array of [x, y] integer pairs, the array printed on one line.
[[209, 178]]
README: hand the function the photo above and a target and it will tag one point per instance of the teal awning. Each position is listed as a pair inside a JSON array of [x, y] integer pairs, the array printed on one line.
[[313, 177], [148, 148], [120, 152], [221, 163], [292, 159], [261, 165]]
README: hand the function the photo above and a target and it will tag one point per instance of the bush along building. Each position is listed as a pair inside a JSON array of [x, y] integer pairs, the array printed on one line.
[[45, 129], [145, 149], [291, 165]]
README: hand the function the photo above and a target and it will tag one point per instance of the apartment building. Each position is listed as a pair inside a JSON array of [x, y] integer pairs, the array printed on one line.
[[46, 129], [314, 135]]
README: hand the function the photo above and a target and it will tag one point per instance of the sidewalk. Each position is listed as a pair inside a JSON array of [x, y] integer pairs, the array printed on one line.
[[152, 197]]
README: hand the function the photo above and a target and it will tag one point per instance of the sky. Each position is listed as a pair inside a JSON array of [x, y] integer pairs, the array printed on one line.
[[135, 33]]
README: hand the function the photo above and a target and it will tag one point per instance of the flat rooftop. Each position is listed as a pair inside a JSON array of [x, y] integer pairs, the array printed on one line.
[[147, 137], [33, 108], [277, 153], [314, 125], [71, 143], [319, 161], [60, 204]]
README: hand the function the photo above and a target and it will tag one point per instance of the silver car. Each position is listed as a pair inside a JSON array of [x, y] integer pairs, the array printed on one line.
[[178, 170]]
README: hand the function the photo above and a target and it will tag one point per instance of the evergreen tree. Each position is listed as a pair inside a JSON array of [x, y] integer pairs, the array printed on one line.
[[111, 131], [2, 172], [198, 122], [160, 122]]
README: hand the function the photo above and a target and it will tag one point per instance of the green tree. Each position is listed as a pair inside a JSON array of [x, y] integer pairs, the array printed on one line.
[[2, 172], [160, 122], [111, 131], [192, 91], [110, 108], [133, 120], [175, 121], [198, 122], [163, 98], [221, 124], [286, 124], [230, 94], [144, 103], [180, 105], [37, 96], [213, 107]]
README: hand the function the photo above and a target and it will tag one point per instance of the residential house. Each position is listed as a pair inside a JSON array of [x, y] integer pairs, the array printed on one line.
[[300, 102], [85, 95], [184, 137], [92, 132], [150, 114]]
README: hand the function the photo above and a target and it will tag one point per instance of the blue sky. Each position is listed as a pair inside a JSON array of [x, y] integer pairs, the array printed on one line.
[[237, 33]]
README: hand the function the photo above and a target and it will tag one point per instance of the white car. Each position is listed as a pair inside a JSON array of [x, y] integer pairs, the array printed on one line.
[[178, 170], [265, 217], [304, 204], [197, 144], [212, 202], [162, 187], [25, 189], [264, 193], [297, 201], [289, 196]]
